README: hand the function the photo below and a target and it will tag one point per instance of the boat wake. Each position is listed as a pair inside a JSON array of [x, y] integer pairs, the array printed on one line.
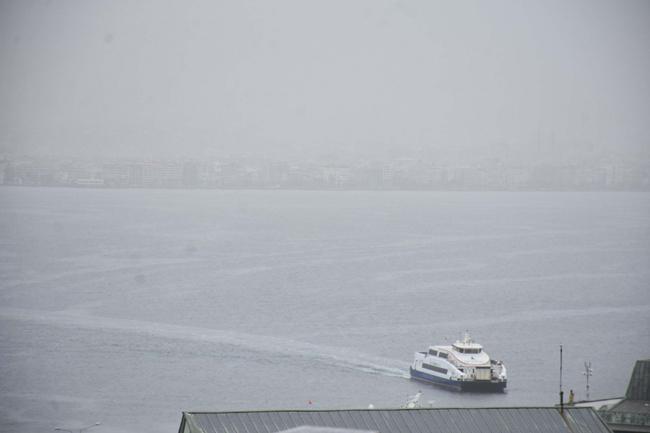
[[274, 346]]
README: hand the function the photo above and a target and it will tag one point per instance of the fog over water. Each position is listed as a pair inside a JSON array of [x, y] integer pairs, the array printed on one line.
[[128, 303], [452, 81]]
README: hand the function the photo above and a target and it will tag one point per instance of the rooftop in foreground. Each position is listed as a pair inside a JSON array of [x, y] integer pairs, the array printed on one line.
[[632, 412], [430, 420]]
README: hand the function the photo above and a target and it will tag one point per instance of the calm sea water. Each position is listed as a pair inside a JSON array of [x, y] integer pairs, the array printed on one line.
[[130, 306]]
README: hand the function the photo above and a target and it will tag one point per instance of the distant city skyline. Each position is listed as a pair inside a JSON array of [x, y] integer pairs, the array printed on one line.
[[265, 173]]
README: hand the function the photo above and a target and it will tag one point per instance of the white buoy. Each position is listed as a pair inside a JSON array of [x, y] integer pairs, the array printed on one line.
[[413, 402]]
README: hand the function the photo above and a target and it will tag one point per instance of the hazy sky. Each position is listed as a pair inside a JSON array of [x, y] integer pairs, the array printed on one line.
[[512, 79]]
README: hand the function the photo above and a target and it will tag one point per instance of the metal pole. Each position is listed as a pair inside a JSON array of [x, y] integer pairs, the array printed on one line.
[[561, 392]]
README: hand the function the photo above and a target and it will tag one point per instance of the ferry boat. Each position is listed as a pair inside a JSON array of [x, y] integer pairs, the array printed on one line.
[[463, 366]]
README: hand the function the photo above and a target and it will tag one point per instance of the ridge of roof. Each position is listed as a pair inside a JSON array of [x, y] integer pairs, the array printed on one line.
[[391, 409]]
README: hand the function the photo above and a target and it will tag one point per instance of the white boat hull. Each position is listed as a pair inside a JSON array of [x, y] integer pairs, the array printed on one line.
[[459, 385]]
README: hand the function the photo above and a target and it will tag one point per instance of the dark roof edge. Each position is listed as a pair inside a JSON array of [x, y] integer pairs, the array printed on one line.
[[393, 409], [189, 419]]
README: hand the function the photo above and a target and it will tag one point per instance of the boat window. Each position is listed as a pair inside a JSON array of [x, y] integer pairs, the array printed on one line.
[[434, 368], [433, 352], [442, 355]]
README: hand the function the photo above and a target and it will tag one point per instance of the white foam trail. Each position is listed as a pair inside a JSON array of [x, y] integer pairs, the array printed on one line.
[[338, 357]]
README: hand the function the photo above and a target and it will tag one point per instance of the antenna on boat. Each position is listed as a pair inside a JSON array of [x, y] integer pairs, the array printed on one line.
[[587, 373], [561, 392]]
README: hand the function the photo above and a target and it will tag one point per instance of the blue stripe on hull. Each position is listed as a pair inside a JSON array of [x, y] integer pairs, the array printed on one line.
[[434, 379], [461, 386]]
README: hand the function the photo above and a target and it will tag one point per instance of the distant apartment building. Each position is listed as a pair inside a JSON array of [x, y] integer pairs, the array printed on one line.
[[190, 174], [115, 174]]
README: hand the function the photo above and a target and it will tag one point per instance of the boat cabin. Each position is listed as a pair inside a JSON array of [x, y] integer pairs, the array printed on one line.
[[434, 351], [467, 345], [463, 349]]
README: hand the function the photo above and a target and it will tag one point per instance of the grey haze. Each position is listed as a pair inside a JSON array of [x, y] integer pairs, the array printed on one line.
[[452, 81]]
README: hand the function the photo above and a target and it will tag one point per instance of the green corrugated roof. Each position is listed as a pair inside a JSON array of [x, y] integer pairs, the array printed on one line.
[[639, 387]]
